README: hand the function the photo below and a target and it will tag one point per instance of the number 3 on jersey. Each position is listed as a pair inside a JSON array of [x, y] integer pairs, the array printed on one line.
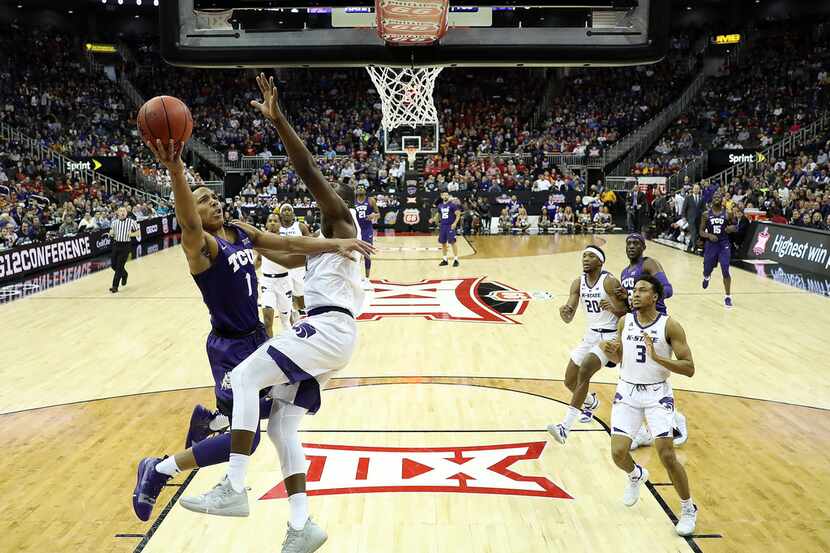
[[641, 353]]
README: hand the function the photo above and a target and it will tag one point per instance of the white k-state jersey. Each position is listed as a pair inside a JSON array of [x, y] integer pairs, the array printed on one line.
[[637, 366], [334, 280], [268, 266], [591, 296]]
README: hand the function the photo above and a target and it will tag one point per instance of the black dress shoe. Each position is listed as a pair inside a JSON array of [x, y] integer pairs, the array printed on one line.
[[113, 290]]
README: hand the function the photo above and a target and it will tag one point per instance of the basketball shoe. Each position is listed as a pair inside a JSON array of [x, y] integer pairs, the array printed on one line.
[[222, 500], [309, 539], [199, 425], [588, 407], [558, 432], [688, 519], [632, 490], [642, 439], [149, 483]]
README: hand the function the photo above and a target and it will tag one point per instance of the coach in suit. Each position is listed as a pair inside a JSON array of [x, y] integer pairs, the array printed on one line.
[[692, 209], [123, 230], [635, 208]]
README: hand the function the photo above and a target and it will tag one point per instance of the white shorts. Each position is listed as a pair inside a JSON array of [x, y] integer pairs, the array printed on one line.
[[300, 361], [590, 344], [297, 278], [632, 403], [275, 293]]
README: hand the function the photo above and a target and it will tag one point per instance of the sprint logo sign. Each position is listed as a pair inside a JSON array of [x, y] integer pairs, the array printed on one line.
[[757, 157], [92, 165]]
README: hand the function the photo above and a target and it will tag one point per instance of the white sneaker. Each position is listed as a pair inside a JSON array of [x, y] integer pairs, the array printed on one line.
[[642, 439], [688, 518], [682, 429], [632, 490], [558, 432], [588, 407], [222, 500], [309, 539]]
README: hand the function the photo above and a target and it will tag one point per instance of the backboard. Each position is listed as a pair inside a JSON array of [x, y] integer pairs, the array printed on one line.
[[343, 33]]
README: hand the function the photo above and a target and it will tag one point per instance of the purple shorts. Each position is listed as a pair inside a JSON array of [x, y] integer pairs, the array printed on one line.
[[226, 353], [446, 235], [367, 234], [714, 253]]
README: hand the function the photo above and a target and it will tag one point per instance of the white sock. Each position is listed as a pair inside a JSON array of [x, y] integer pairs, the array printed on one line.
[[728, 296], [219, 422], [706, 278], [570, 417], [687, 504], [455, 258], [237, 467], [298, 510], [637, 473], [444, 258], [168, 466]]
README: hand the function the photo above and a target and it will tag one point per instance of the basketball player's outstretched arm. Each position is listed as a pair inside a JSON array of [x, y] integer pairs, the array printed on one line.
[[567, 311], [303, 245], [684, 364], [195, 241], [332, 206]]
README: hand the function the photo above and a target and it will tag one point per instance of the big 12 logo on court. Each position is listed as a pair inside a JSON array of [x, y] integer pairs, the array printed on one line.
[[344, 469], [458, 299]]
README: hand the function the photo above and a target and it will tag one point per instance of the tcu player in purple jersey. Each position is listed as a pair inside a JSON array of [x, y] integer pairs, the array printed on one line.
[[714, 227], [295, 365], [366, 210], [221, 259], [448, 217], [639, 265]]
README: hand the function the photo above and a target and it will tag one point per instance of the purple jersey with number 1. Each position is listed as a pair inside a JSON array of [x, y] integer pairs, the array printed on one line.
[[229, 289], [629, 277]]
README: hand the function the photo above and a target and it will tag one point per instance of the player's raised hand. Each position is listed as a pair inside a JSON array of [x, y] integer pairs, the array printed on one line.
[[348, 245], [649, 346], [169, 155], [268, 106]]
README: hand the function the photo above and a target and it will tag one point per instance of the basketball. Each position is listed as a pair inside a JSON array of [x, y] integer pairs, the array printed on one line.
[[165, 118]]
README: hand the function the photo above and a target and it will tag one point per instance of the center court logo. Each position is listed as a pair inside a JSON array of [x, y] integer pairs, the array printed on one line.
[[342, 469], [462, 299]]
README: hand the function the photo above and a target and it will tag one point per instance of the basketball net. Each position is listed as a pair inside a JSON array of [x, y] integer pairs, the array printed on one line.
[[405, 95]]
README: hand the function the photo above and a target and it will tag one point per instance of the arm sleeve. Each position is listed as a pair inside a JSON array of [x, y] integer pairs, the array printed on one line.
[[668, 291]]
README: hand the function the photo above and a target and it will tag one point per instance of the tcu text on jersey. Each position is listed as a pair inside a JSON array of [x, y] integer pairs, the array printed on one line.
[[240, 259]]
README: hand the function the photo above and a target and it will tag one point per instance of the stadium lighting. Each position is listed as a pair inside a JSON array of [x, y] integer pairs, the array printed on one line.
[[71, 12], [137, 2], [155, 2], [295, 10], [120, 2]]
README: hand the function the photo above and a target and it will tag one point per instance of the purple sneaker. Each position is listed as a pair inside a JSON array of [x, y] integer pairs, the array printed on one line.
[[705, 283], [727, 301], [199, 426], [148, 487]]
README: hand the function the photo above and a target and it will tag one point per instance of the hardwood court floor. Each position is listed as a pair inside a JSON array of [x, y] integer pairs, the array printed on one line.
[[93, 382]]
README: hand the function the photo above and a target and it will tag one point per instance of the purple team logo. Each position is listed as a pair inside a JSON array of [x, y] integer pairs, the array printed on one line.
[[668, 403], [617, 397], [304, 330]]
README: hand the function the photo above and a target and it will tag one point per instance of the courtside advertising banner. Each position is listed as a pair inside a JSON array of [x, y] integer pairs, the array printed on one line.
[[799, 247]]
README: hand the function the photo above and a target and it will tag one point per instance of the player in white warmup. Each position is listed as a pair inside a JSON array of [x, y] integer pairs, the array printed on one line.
[[296, 364], [644, 343], [290, 226], [596, 290], [275, 286]]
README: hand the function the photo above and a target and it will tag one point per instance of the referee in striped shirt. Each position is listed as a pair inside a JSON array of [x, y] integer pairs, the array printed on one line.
[[122, 231]]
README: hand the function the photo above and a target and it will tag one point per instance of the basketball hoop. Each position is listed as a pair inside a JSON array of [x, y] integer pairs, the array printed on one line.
[[406, 95]]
